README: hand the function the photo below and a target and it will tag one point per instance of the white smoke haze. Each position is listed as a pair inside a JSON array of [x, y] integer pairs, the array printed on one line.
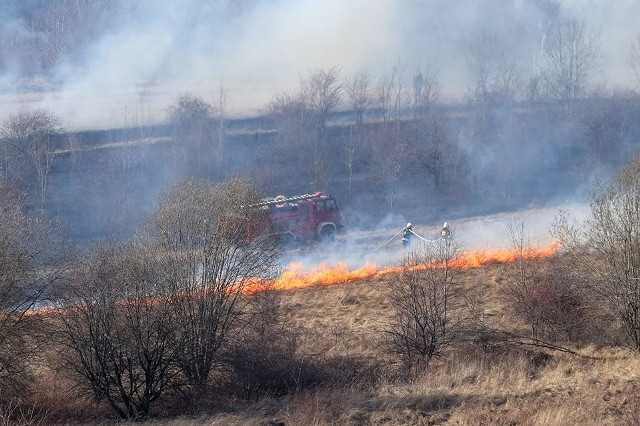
[[364, 241], [382, 245], [491, 232], [151, 51]]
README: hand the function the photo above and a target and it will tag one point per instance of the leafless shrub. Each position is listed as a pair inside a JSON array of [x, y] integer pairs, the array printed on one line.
[[151, 316], [263, 357], [212, 261], [426, 303], [15, 412], [29, 135], [548, 298], [32, 261], [606, 252], [119, 330]]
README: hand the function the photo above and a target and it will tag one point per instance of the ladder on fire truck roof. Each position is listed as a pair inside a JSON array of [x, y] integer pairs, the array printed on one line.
[[282, 200]]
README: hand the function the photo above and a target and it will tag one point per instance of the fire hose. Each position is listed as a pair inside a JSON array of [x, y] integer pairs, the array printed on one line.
[[386, 242], [422, 238], [398, 233]]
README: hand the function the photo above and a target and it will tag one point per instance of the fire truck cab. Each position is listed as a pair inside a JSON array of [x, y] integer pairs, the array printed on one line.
[[303, 218]]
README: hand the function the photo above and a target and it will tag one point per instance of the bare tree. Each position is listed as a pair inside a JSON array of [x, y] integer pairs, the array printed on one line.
[[117, 323], [358, 90], [424, 92], [352, 145], [431, 150], [4, 162], [391, 96], [32, 261], [384, 90], [546, 296], [29, 135], [192, 120], [61, 27], [50, 32], [220, 109], [607, 250], [426, 132], [124, 164], [399, 95], [321, 93], [427, 308], [302, 140], [213, 260], [54, 27], [295, 136], [572, 56], [493, 71], [390, 153]]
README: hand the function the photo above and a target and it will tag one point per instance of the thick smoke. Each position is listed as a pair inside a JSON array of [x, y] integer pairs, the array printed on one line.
[[151, 51], [125, 63]]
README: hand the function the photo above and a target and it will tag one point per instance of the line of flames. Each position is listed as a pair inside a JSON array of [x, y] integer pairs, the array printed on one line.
[[295, 276]]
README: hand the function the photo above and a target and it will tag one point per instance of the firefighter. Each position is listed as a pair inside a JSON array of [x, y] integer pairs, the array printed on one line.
[[445, 233], [406, 235]]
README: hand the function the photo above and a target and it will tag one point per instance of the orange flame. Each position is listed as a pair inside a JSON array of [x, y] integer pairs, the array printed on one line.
[[295, 276]]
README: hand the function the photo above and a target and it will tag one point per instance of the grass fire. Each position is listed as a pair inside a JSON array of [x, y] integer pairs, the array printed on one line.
[[297, 276], [258, 212], [401, 332]]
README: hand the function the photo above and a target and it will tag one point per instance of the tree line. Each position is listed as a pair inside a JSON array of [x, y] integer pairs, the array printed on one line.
[[387, 144]]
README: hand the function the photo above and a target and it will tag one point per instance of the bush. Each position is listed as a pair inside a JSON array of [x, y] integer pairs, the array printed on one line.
[[264, 362], [32, 262], [264, 359], [427, 314], [548, 298]]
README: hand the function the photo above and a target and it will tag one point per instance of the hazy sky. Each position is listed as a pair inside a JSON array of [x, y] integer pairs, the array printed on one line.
[[256, 49]]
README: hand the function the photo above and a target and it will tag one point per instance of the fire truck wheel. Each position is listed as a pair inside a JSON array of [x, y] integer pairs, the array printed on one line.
[[328, 234]]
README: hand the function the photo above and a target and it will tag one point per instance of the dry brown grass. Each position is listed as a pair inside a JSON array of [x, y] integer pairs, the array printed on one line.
[[467, 386], [343, 320], [513, 385]]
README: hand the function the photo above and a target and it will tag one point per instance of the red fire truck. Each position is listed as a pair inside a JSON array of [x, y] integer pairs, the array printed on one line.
[[303, 218]]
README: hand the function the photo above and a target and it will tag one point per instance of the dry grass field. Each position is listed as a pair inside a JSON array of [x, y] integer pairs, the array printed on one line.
[[514, 385]]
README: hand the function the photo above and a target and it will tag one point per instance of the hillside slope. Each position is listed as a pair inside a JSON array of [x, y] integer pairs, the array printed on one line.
[[511, 384]]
